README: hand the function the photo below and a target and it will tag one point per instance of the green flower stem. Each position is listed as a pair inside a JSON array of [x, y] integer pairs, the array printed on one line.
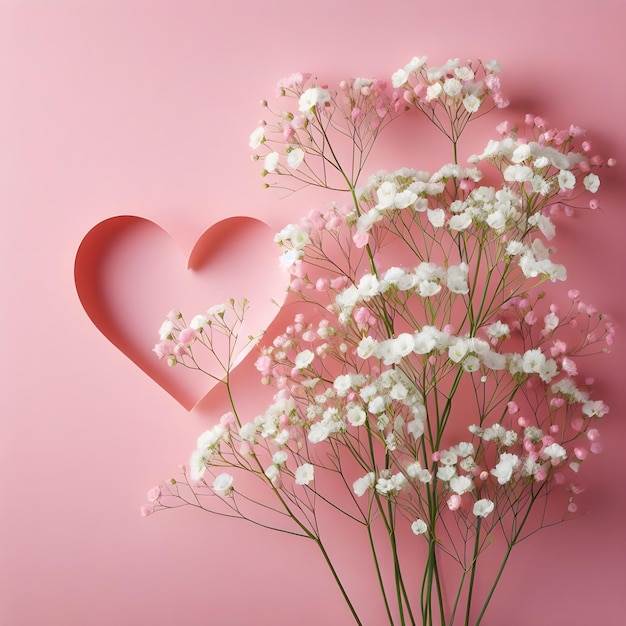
[[344, 593], [457, 598], [507, 554], [470, 589], [309, 534], [379, 573]]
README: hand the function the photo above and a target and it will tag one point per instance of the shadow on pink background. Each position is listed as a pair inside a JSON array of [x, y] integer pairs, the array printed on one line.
[[143, 108]]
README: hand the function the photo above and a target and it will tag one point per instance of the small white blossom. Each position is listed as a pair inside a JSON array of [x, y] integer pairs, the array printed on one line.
[[361, 485], [257, 137], [461, 484], [555, 452], [591, 182], [503, 471], [198, 321], [419, 527], [166, 329], [304, 359], [223, 484], [566, 179], [295, 158], [271, 162], [280, 457], [304, 474], [311, 98], [483, 507]]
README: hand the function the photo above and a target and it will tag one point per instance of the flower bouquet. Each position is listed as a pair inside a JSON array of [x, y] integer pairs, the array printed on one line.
[[428, 386]]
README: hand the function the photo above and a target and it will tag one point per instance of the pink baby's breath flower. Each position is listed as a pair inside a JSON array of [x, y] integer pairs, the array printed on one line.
[[454, 502], [154, 494]]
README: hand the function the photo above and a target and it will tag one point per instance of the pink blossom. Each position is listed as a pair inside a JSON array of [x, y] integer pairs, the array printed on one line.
[[339, 282], [361, 239], [227, 419], [154, 494], [504, 128], [321, 284], [581, 453], [180, 350], [361, 315], [454, 502], [593, 434], [187, 335], [263, 364], [530, 318], [146, 510], [164, 348], [569, 366]]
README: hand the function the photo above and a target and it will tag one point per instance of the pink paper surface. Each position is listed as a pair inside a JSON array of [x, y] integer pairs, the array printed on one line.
[[144, 108]]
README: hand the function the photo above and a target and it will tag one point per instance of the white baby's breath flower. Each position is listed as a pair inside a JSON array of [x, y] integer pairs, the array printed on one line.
[[566, 179], [446, 472], [166, 329], [271, 162], [461, 484], [483, 507], [471, 103], [217, 310], [367, 347], [295, 158], [591, 183], [498, 329], [280, 457], [198, 321], [555, 452], [400, 76], [361, 485], [518, 173], [305, 474], [273, 473], [247, 432], [356, 415], [419, 527], [434, 91], [223, 484], [436, 217], [311, 98], [257, 137], [503, 471], [304, 359]]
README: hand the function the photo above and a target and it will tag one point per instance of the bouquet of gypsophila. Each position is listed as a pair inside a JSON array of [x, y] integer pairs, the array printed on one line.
[[427, 388]]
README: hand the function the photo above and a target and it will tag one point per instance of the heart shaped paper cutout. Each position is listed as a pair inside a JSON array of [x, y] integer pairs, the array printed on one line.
[[129, 274]]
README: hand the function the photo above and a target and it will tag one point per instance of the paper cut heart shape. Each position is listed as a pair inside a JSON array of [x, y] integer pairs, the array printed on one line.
[[129, 274]]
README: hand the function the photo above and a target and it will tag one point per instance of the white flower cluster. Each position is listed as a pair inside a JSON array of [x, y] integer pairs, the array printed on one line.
[[208, 446], [409, 189], [425, 280], [486, 207], [386, 397], [295, 238], [452, 84], [534, 260]]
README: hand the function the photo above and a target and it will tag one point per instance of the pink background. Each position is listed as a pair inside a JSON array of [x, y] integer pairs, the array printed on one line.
[[144, 107]]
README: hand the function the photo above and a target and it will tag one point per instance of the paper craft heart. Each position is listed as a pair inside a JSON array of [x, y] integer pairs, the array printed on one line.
[[129, 274]]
